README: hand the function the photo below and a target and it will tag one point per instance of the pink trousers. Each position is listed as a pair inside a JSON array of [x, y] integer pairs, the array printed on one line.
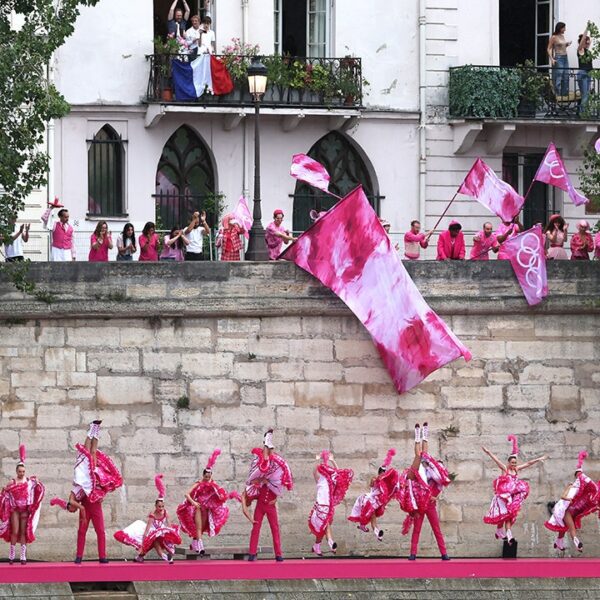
[[434, 521], [270, 510], [93, 513]]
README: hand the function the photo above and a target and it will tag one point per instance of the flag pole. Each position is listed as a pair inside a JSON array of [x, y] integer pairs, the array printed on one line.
[[445, 211]]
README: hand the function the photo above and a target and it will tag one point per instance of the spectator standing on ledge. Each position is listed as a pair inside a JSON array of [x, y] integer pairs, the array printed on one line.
[[13, 252], [582, 242], [63, 247], [126, 247], [556, 236], [175, 243], [414, 240], [483, 242], [177, 19], [276, 234], [195, 234], [100, 243], [149, 243], [451, 243]]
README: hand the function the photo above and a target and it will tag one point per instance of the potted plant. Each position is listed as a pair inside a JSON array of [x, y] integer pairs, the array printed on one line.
[[163, 54], [533, 84]]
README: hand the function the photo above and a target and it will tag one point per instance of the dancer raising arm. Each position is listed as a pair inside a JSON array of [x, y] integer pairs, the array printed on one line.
[[332, 485], [20, 503], [509, 492], [580, 498], [204, 509]]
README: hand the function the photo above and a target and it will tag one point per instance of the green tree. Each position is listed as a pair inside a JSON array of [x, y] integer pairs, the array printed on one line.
[[30, 32]]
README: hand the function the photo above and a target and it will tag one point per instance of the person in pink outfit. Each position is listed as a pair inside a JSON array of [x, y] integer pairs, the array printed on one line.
[[332, 485], [205, 509], [155, 533], [414, 240], [483, 242], [62, 233], [20, 503], [556, 236], [100, 243], [451, 243], [276, 235], [505, 231], [420, 486], [149, 242], [582, 242], [597, 246], [509, 492], [371, 505], [269, 475], [229, 239], [174, 245], [579, 499]]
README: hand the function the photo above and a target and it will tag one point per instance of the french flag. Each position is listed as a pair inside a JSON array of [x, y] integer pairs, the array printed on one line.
[[205, 74]]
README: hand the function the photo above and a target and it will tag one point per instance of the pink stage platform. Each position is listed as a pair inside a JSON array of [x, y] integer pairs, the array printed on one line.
[[374, 568]]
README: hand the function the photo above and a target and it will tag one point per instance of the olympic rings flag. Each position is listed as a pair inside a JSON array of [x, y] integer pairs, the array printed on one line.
[[528, 259], [552, 171]]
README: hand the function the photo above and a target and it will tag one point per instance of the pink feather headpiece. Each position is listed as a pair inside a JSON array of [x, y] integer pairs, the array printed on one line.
[[212, 460], [388, 458], [22, 454], [580, 458], [325, 456], [160, 486], [515, 446]]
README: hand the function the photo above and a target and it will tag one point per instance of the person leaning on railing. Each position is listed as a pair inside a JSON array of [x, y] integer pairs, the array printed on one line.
[[584, 56]]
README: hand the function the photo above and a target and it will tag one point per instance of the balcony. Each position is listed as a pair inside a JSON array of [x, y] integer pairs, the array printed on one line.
[[296, 82]]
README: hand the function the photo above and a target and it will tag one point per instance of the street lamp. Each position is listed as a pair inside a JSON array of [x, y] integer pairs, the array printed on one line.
[[257, 82]]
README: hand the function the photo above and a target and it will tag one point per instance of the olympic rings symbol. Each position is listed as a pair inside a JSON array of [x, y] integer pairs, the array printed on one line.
[[528, 257]]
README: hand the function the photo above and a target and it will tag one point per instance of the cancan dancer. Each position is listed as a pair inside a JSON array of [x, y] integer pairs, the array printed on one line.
[[580, 498], [20, 503], [155, 533], [509, 492], [420, 486], [269, 475], [332, 485], [205, 509], [94, 476], [371, 506]]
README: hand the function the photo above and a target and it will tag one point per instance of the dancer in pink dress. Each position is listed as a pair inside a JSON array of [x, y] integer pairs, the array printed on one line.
[[371, 506], [20, 503], [205, 509], [268, 476], [155, 533], [332, 485], [580, 498], [94, 476], [420, 486], [509, 492]]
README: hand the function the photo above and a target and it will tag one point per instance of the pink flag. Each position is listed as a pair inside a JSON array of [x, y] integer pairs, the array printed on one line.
[[310, 171], [243, 216], [348, 250], [528, 259], [482, 183], [552, 171], [597, 145]]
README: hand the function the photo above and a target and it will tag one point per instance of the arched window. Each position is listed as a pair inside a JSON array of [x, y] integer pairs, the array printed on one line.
[[185, 178], [106, 167], [347, 169]]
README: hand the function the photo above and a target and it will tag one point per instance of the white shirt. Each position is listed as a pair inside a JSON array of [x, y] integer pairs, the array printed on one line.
[[207, 40], [16, 248], [192, 36], [196, 237]]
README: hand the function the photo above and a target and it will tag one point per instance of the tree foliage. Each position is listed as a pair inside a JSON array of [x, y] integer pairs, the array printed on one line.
[[30, 32]]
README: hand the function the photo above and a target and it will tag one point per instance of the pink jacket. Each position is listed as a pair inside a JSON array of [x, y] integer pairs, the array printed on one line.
[[449, 248], [481, 249], [412, 241]]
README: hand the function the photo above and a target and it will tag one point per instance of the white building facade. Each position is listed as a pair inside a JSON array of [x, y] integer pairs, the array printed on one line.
[[125, 154]]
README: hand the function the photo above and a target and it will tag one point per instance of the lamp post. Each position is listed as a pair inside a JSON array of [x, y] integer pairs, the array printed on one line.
[[257, 82]]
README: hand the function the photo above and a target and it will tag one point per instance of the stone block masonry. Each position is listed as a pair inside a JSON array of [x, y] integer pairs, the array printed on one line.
[[256, 345]]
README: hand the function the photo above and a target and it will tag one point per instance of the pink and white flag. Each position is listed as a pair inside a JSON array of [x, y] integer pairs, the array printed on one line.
[[243, 215], [552, 171], [348, 250], [528, 259], [310, 171], [597, 145], [498, 196]]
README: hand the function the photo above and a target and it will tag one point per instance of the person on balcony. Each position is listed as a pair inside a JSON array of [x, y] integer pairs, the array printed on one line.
[[276, 234], [174, 245], [100, 243], [177, 19], [451, 243], [483, 242], [414, 240], [229, 238], [556, 235], [195, 234], [208, 40], [559, 61], [582, 242], [63, 243], [505, 231], [126, 247], [584, 57], [149, 242], [192, 36]]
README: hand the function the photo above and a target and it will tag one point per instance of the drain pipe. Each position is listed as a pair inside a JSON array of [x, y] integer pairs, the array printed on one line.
[[245, 185], [422, 109]]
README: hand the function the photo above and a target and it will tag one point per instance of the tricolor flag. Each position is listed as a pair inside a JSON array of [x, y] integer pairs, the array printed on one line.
[[206, 73]]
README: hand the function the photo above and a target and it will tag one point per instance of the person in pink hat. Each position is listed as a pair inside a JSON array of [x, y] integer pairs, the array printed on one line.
[[62, 240], [451, 243], [582, 242], [276, 235], [556, 236]]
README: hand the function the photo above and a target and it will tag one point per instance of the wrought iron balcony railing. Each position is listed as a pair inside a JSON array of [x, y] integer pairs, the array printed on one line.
[[292, 81], [523, 93]]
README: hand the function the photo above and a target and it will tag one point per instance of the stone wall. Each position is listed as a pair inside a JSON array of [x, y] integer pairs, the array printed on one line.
[[252, 346]]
